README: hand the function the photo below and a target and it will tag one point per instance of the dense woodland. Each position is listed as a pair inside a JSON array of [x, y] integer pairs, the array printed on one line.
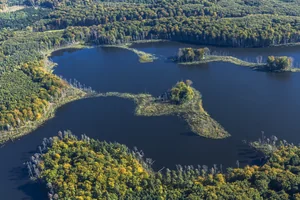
[[26, 34], [90, 169], [26, 94]]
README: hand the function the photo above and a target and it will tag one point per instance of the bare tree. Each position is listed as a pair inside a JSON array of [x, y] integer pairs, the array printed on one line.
[[259, 59]]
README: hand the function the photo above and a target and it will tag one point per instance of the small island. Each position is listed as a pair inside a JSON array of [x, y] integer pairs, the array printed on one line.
[[182, 100], [190, 56]]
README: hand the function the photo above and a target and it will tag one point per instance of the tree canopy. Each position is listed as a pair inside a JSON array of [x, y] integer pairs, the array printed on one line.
[[181, 92], [89, 169], [279, 63]]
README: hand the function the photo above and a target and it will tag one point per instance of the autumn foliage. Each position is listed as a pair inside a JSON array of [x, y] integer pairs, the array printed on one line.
[[90, 169]]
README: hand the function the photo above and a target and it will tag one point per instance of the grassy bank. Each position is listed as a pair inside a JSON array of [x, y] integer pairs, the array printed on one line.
[[192, 112], [229, 59], [11, 9], [72, 95], [146, 41], [143, 56], [236, 61]]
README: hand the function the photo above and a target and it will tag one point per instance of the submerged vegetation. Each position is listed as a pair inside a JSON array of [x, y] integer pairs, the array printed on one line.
[[181, 100], [89, 169]]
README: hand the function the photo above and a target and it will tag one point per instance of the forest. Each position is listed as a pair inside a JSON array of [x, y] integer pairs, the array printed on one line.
[[26, 94], [28, 36], [25, 35], [85, 168]]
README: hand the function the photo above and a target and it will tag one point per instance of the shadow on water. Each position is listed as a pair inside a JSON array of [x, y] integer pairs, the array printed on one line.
[[285, 76], [61, 52], [34, 191], [19, 173], [243, 101]]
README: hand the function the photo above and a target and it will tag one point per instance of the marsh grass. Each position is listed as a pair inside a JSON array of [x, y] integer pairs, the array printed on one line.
[[192, 112], [143, 56], [229, 59], [236, 61]]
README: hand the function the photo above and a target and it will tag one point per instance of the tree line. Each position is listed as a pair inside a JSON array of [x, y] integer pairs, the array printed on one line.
[[84, 168]]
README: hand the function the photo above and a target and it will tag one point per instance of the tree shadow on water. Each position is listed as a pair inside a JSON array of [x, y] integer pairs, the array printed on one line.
[[34, 191], [250, 156], [19, 174]]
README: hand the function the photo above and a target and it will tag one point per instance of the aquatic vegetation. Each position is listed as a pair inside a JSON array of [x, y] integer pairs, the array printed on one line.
[[189, 108], [229, 59], [143, 56], [85, 168], [190, 56]]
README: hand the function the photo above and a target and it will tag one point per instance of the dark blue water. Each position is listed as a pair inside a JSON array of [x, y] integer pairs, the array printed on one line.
[[243, 101]]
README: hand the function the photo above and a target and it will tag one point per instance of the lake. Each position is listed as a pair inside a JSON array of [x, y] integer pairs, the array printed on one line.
[[243, 101]]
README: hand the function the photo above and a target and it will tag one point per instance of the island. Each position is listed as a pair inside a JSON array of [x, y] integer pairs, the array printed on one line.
[[85, 168], [192, 56], [182, 100]]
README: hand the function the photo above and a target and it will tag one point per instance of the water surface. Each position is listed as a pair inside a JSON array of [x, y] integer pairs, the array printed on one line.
[[245, 102]]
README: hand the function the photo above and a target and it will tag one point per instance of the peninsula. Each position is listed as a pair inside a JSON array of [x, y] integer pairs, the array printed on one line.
[[191, 56], [182, 100]]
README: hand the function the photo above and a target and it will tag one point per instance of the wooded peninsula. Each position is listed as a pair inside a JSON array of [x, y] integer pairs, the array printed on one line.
[[190, 56], [182, 100]]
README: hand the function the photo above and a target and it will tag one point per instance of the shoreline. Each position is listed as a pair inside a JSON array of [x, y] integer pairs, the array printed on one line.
[[49, 65], [143, 56], [193, 113], [237, 61], [30, 126], [229, 59]]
